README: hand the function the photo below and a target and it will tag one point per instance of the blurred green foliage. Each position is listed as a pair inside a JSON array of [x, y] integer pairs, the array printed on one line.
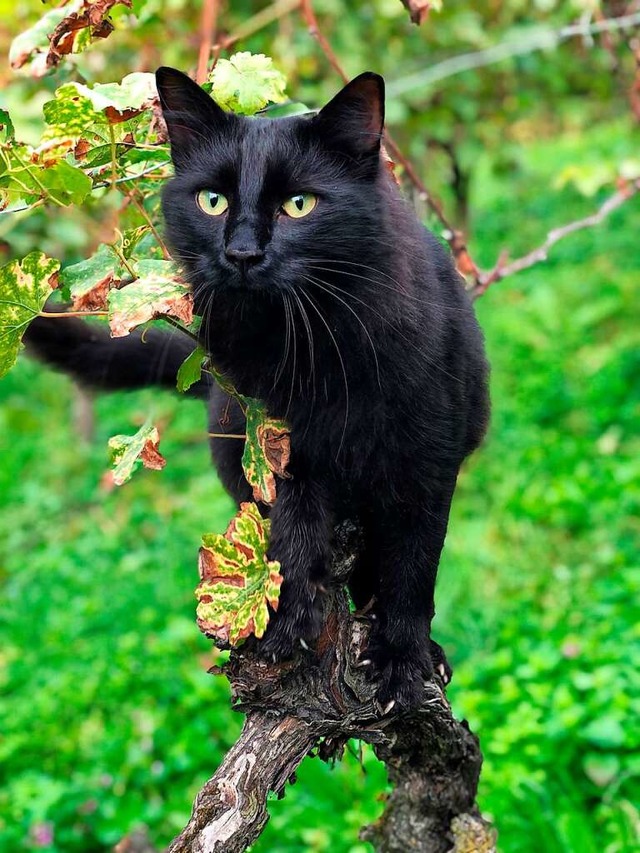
[[108, 719]]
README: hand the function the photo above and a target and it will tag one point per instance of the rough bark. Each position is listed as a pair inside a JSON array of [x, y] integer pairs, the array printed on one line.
[[318, 702]]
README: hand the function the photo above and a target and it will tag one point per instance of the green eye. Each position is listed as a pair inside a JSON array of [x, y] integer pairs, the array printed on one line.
[[300, 205], [212, 203]]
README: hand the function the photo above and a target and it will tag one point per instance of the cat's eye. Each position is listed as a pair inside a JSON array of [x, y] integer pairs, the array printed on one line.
[[300, 205], [212, 203]]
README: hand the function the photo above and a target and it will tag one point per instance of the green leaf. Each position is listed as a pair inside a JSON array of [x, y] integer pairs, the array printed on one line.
[[266, 451], [190, 370], [89, 281], [65, 184], [128, 452], [24, 288], [237, 579], [31, 177], [133, 94], [71, 113], [78, 110], [157, 291], [247, 82], [7, 133]]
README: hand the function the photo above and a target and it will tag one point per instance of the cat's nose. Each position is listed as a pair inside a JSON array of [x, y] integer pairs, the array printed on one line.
[[244, 256]]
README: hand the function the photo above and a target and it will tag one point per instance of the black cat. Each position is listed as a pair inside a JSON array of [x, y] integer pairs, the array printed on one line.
[[322, 295]]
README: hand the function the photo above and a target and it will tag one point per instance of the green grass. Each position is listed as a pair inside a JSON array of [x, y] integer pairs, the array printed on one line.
[[108, 717]]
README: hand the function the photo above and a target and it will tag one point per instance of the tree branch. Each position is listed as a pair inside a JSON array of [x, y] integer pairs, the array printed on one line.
[[319, 701], [210, 10], [535, 256], [539, 39]]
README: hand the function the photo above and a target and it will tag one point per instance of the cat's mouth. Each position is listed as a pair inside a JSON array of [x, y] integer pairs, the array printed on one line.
[[245, 275]]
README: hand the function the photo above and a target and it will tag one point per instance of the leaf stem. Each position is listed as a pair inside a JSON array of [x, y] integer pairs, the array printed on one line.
[[120, 255], [227, 435], [179, 326], [72, 314], [139, 205], [114, 160]]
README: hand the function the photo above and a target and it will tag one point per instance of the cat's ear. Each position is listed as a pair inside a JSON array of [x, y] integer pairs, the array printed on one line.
[[191, 115], [353, 120]]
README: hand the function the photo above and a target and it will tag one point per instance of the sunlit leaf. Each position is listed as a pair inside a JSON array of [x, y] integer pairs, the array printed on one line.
[[157, 291], [129, 452], [24, 288], [247, 82], [238, 581]]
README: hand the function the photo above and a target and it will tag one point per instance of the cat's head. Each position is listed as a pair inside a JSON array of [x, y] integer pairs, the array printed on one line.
[[263, 204]]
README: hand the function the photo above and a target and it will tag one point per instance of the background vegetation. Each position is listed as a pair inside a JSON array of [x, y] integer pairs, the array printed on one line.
[[109, 719]]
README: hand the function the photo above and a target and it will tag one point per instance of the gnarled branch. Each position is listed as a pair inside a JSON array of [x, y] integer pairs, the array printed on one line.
[[319, 701]]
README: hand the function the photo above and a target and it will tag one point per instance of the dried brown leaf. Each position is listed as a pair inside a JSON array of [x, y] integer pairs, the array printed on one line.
[[151, 457], [92, 16], [275, 442]]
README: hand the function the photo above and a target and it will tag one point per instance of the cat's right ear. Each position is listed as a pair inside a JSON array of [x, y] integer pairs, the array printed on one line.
[[191, 115]]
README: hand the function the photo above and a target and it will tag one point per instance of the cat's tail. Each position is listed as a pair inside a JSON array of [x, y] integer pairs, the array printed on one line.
[[87, 353]]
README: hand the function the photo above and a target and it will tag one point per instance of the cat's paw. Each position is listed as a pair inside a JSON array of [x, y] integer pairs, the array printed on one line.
[[295, 626], [399, 676], [439, 662]]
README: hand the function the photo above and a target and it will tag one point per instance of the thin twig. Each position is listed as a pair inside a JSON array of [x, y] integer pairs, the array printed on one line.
[[210, 9], [309, 16], [536, 256], [133, 196], [257, 22], [540, 39]]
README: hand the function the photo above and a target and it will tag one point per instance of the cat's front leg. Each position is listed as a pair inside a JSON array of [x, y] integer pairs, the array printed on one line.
[[301, 528], [409, 538]]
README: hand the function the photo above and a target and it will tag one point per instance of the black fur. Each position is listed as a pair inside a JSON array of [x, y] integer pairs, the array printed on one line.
[[352, 324]]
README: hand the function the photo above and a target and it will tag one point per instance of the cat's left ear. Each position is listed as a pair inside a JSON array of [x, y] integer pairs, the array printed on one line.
[[354, 119], [191, 115]]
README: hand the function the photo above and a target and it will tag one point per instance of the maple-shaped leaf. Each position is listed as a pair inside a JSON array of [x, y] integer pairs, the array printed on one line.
[[24, 288], [129, 452], [156, 292], [266, 451], [89, 281], [190, 370], [247, 82], [237, 579]]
